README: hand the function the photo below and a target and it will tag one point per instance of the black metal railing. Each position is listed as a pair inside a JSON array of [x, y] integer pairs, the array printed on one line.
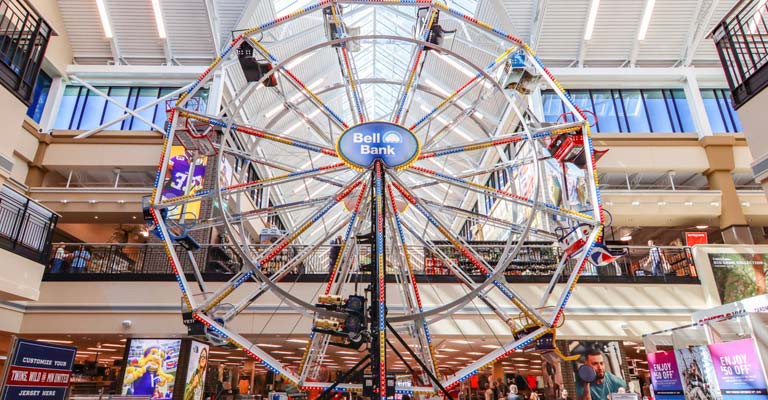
[[742, 44], [24, 38], [25, 226], [535, 263]]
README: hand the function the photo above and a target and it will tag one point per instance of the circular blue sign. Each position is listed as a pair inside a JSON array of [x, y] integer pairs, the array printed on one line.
[[361, 145]]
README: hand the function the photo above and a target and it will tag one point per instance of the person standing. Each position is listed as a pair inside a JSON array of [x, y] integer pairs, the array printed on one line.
[[333, 254], [656, 258], [80, 258], [58, 259]]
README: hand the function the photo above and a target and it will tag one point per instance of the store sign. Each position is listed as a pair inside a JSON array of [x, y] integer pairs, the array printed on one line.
[[694, 238], [738, 370], [361, 145], [38, 371], [665, 376], [739, 275]]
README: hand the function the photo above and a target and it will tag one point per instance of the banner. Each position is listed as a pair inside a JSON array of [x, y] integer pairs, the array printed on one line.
[[603, 356], [738, 370], [693, 238], [151, 367], [665, 376], [38, 371], [177, 181], [697, 373], [738, 275], [196, 367]]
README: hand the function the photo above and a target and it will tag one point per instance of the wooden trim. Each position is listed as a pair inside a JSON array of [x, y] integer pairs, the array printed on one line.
[[109, 137], [645, 139]]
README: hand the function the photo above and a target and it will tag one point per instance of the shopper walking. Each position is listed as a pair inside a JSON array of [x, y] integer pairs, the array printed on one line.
[[58, 259], [490, 392], [513, 392], [656, 258], [80, 258]]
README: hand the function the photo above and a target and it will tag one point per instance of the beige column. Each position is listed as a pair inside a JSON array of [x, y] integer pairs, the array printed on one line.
[[498, 371], [719, 149], [37, 171]]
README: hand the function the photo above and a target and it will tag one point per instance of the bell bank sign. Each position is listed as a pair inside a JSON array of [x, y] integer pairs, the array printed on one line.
[[361, 145]]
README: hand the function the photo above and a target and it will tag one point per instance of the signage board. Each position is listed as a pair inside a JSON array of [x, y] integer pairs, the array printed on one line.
[[665, 375], [38, 371], [738, 370], [363, 144]]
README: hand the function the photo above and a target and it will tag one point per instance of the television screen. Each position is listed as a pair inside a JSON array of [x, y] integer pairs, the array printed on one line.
[[151, 367]]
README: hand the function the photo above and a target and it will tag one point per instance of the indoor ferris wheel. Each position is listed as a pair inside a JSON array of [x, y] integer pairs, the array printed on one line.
[[405, 163]]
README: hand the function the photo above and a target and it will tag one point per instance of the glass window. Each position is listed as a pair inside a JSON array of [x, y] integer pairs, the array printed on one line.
[[553, 106], [658, 111], [112, 111], [92, 110], [605, 111], [684, 120], [146, 95], [582, 100], [634, 111], [67, 107], [40, 96]]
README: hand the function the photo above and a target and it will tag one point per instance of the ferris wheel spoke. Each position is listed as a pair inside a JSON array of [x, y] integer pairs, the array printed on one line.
[[498, 222], [261, 133], [281, 244], [347, 235], [301, 86], [468, 252], [418, 57], [463, 89], [257, 184], [504, 195], [462, 276], [258, 213], [284, 270], [349, 70]]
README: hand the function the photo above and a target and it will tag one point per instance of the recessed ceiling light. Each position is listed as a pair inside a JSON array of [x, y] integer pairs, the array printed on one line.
[[86, 352], [347, 352], [298, 341], [237, 358], [100, 349], [702, 226], [490, 346], [635, 203], [217, 359], [55, 341], [626, 238], [475, 353], [449, 350], [688, 203], [217, 352], [112, 345], [282, 352], [276, 346]]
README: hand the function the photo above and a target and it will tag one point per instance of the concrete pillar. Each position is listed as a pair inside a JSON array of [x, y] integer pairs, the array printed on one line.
[[36, 172], [733, 223]]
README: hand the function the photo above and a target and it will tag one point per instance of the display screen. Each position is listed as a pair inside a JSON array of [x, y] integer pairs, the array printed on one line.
[[151, 367], [198, 362], [177, 181]]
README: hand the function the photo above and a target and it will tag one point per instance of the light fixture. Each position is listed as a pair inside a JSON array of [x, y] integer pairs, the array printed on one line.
[[86, 352], [635, 203], [158, 19], [714, 204], [121, 202], [461, 341], [55, 341], [236, 358], [133, 217], [661, 203], [702, 226], [626, 238], [282, 352], [64, 201], [745, 204], [92, 201], [449, 350], [646, 21], [268, 345], [217, 360], [217, 352], [608, 203], [298, 341], [490, 346], [95, 217], [688, 203], [111, 345], [100, 349], [104, 18], [591, 20]]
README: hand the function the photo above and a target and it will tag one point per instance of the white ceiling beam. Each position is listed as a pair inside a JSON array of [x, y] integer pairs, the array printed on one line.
[[538, 24], [698, 31], [214, 24]]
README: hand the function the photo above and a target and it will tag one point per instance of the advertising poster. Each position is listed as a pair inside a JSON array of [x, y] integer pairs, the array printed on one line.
[[605, 358], [697, 373], [738, 370], [151, 367], [198, 363], [738, 275], [665, 376], [38, 371], [177, 180]]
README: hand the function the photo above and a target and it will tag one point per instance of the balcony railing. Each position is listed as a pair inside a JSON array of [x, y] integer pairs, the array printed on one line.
[[742, 44], [23, 39], [25, 226], [535, 263]]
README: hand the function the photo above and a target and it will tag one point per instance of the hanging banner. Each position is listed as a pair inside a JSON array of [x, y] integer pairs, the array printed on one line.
[[38, 371], [665, 376], [738, 370], [697, 373], [693, 238]]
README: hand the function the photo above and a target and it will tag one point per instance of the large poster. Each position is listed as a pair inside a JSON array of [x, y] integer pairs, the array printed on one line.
[[665, 376], [606, 360], [198, 362], [38, 371], [151, 367], [698, 373], [177, 180], [738, 275], [738, 370]]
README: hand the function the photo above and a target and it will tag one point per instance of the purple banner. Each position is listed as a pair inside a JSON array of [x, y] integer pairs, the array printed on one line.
[[738, 370], [665, 376]]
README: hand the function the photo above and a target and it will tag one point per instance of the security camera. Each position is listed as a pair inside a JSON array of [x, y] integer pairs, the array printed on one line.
[[127, 323]]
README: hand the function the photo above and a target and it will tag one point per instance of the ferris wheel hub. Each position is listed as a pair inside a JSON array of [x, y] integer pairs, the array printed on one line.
[[363, 144]]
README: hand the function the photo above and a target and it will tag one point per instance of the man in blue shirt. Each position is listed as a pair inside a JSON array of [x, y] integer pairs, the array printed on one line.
[[80, 258], [605, 382]]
